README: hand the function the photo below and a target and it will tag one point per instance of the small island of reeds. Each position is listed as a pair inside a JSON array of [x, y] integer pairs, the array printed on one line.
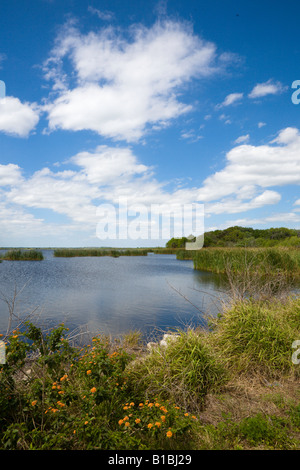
[[72, 252], [22, 255]]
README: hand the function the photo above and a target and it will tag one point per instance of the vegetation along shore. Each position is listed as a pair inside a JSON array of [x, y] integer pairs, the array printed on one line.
[[232, 385]]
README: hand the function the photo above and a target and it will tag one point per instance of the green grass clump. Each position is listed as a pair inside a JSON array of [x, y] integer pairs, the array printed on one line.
[[258, 336], [260, 430], [184, 371], [23, 255]]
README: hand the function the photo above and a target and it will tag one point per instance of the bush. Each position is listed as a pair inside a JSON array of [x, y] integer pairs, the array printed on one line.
[[64, 398]]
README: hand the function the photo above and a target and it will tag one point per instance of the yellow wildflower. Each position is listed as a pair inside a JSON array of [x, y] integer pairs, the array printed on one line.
[[158, 424], [121, 421], [88, 372], [169, 434], [150, 425], [93, 390], [127, 424], [137, 420], [34, 402]]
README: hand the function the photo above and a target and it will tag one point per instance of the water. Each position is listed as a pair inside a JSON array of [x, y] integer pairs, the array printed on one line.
[[110, 295]]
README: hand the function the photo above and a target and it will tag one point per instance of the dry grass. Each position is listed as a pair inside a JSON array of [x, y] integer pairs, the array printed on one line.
[[246, 396]]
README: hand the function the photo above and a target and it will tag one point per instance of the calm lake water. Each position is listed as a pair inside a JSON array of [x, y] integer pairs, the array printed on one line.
[[110, 295]]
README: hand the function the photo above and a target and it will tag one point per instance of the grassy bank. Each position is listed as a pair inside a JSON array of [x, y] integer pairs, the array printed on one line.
[[22, 255], [233, 386]]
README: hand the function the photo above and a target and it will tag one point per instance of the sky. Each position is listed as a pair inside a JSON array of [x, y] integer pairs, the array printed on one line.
[[116, 114]]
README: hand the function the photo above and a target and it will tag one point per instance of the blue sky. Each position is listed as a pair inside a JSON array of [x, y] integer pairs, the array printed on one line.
[[152, 103]]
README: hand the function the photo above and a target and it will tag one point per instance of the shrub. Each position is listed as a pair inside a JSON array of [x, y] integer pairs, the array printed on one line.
[[157, 424]]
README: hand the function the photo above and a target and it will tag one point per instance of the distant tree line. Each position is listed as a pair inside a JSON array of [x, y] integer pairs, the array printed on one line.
[[245, 236], [176, 242]]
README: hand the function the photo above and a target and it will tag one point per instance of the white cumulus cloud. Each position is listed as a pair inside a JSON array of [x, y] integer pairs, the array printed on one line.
[[122, 86], [17, 118]]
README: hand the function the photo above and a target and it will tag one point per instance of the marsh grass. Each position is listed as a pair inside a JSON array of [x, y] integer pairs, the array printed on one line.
[[259, 274], [267, 259], [73, 252], [186, 254], [23, 255]]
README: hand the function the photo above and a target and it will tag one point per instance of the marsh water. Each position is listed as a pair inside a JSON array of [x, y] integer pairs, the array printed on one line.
[[110, 295]]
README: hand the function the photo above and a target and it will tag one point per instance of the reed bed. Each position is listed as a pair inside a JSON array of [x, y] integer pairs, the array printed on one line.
[[217, 259], [253, 272], [73, 252], [23, 255]]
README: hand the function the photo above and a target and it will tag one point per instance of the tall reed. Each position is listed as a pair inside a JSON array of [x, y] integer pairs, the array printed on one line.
[[72, 252], [23, 255]]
